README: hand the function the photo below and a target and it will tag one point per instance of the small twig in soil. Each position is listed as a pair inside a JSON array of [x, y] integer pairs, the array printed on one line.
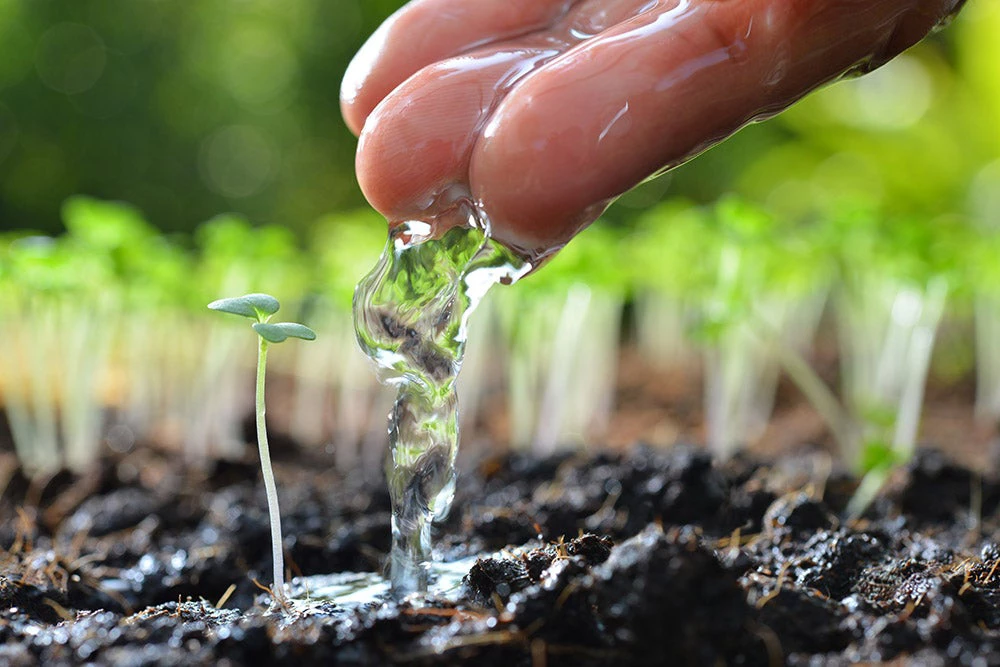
[[70, 499], [822, 476], [22, 541], [778, 583], [736, 539], [534, 627], [911, 607], [33, 496], [79, 540], [992, 571], [966, 584], [282, 602], [566, 593], [445, 615], [772, 644], [62, 611], [293, 567], [93, 584], [225, 596]]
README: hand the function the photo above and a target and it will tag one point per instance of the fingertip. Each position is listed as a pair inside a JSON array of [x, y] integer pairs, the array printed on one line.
[[369, 77], [398, 164], [418, 140], [425, 32], [353, 117]]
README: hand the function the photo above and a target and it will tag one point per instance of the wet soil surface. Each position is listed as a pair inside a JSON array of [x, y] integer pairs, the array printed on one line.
[[646, 558]]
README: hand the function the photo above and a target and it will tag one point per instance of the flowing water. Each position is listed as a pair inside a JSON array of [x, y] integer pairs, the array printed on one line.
[[412, 316]]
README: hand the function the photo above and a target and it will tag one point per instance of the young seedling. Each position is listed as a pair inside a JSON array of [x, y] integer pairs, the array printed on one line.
[[261, 307]]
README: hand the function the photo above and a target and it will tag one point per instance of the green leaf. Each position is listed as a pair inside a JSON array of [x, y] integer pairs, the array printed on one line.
[[105, 225], [878, 455], [278, 332], [254, 306]]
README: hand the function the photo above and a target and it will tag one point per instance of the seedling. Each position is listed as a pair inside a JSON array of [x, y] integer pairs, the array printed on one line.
[[261, 307], [562, 327], [751, 266]]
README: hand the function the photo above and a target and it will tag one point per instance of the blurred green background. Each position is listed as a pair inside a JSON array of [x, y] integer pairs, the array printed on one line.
[[187, 110], [872, 204]]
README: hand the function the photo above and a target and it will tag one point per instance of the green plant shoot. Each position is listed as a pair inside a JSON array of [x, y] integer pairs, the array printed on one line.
[[261, 307]]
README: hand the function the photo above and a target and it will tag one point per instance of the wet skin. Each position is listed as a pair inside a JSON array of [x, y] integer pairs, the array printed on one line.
[[544, 111]]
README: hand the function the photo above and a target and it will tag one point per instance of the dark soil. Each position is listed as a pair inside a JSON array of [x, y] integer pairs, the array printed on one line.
[[644, 558]]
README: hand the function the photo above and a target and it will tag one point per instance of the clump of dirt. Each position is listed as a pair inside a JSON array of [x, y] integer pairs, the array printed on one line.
[[647, 557]]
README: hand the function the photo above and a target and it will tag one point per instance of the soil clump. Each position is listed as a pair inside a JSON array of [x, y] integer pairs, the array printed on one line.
[[645, 557]]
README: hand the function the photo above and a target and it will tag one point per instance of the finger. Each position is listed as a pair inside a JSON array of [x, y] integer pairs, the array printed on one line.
[[658, 89], [418, 144], [416, 150], [589, 18], [427, 31]]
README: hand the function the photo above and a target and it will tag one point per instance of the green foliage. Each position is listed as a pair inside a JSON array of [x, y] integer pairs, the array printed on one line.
[[346, 246], [982, 266], [281, 331], [254, 306], [727, 259], [906, 248], [592, 258], [261, 307], [112, 254], [149, 103], [153, 103], [105, 225], [670, 250], [236, 255], [878, 456]]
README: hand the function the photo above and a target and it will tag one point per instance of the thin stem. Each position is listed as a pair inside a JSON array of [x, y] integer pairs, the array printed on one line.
[[278, 590], [821, 397], [918, 360], [841, 425], [865, 494]]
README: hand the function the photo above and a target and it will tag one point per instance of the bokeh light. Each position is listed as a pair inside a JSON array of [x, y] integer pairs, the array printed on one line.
[[70, 58]]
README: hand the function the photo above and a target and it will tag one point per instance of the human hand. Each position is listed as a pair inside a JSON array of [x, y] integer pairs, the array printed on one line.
[[543, 111]]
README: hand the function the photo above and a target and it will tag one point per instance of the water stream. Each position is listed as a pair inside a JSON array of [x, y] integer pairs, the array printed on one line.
[[411, 314]]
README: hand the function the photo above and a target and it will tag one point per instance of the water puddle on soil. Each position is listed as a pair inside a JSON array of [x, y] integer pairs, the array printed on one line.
[[412, 316], [347, 592]]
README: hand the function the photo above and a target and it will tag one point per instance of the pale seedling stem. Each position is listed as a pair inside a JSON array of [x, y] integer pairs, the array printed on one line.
[[270, 488], [261, 307]]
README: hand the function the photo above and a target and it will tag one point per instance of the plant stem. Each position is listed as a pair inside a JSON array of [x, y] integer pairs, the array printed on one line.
[[870, 485], [804, 376], [918, 360], [278, 589]]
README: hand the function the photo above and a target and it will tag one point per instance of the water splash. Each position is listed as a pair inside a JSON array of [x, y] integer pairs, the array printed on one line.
[[411, 313], [348, 592]]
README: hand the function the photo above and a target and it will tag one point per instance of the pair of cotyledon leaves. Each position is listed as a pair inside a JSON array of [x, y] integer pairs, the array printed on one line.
[[259, 307]]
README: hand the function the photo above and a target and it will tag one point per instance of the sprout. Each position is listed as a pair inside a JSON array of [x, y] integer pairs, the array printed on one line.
[[569, 311], [261, 307]]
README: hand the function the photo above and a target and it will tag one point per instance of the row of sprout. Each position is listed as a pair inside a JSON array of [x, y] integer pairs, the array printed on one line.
[[107, 343]]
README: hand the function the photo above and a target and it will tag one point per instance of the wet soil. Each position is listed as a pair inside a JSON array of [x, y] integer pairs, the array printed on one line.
[[646, 557]]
